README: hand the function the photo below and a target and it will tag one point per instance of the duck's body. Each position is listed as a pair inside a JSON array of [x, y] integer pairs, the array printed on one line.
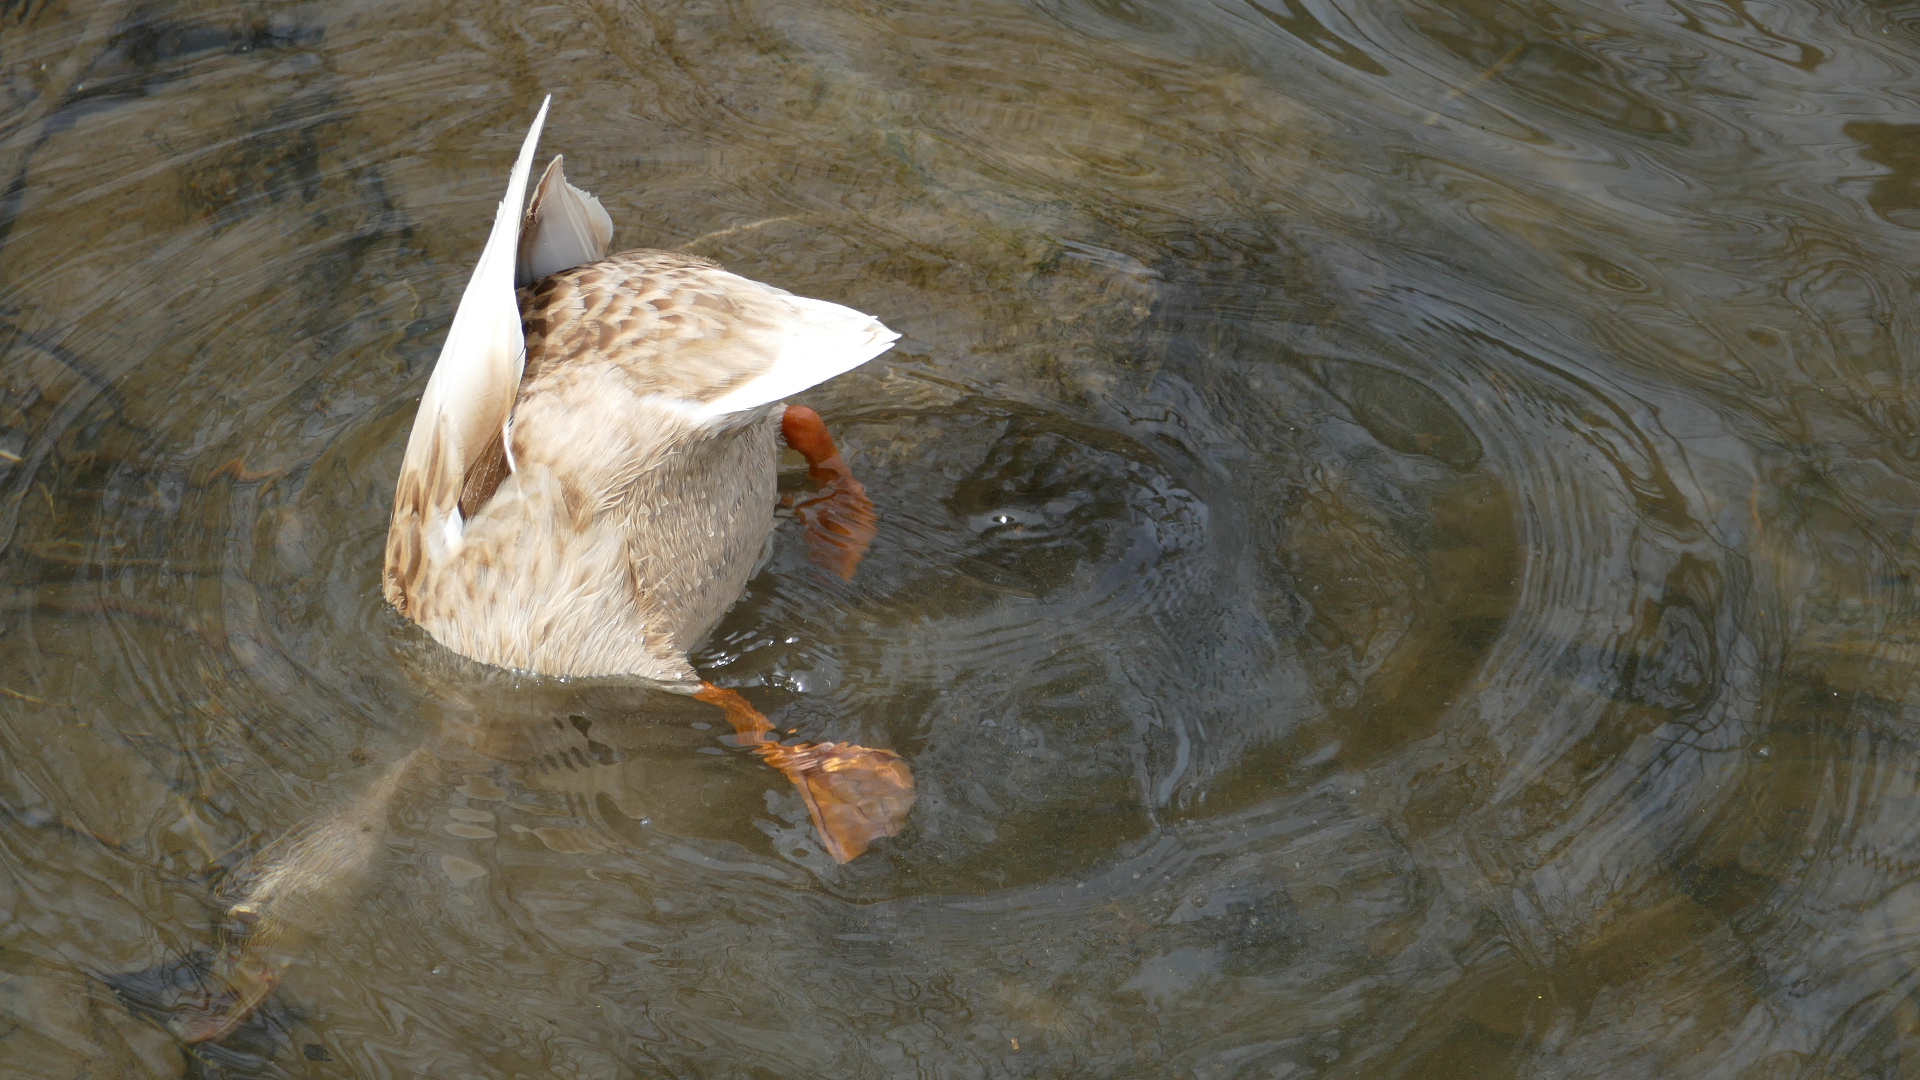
[[590, 478], [629, 523]]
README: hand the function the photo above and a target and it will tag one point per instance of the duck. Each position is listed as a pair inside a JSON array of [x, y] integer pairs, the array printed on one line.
[[590, 479], [588, 485]]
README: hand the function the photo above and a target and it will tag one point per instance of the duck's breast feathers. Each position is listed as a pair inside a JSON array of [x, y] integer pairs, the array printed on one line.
[[708, 342]]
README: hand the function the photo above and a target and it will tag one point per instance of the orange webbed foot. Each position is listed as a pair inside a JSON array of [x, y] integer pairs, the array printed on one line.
[[855, 795], [840, 521]]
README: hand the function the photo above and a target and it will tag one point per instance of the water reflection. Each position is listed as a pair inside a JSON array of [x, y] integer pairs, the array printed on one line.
[[1395, 551]]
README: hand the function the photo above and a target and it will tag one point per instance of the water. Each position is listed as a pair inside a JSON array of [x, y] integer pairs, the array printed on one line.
[[1396, 553]]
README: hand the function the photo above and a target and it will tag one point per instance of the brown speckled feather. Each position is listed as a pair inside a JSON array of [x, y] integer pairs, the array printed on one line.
[[720, 330]]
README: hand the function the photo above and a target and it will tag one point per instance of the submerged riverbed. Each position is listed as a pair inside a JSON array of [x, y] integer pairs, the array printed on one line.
[[1396, 547]]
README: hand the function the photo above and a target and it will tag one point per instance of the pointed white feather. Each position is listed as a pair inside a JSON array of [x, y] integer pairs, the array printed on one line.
[[823, 340], [565, 228], [470, 394]]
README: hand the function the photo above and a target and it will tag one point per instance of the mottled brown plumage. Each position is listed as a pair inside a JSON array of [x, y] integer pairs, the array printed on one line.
[[629, 526], [590, 477]]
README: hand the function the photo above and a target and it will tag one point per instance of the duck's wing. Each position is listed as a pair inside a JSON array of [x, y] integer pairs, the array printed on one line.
[[564, 228], [464, 411], [708, 344], [816, 341]]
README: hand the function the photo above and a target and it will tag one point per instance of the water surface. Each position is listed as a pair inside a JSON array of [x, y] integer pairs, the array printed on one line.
[[1396, 553]]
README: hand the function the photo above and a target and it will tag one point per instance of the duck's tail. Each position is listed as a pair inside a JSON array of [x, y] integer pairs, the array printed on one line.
[[461, 441]]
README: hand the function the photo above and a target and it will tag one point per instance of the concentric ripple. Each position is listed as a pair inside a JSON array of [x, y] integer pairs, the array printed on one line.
[[1396, 548]]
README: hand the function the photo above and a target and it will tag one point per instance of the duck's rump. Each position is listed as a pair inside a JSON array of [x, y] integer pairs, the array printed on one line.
[[627, 522]]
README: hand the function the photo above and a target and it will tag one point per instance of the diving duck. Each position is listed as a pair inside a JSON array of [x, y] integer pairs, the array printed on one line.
[[588, 485], [590, 478]]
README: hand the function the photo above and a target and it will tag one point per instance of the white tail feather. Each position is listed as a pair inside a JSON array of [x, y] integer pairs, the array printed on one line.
[[565, 228], [470, 394], [824, 340]]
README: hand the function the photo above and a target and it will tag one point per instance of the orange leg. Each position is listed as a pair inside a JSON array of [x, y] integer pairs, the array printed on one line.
[[840, 521], [854, 795]]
